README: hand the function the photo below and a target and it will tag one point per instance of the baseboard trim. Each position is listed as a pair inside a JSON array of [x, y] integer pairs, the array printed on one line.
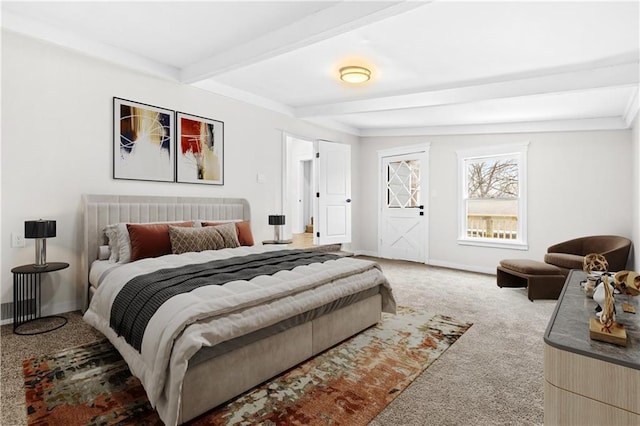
[[55, 309], [365, 253]]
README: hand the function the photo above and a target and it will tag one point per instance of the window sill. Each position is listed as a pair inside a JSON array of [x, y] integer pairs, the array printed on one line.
[[481, 242]]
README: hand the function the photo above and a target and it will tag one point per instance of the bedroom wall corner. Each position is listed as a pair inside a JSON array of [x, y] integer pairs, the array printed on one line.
[[57, 144]]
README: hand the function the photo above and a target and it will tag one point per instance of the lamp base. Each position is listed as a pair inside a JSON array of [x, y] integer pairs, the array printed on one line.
[[277, 241], [41, 253], [277, 231]]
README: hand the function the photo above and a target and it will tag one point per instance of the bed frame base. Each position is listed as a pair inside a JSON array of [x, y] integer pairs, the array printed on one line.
[[216, 381]]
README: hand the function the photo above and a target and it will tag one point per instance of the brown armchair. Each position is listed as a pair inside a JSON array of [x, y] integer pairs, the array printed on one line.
[[570, 254]]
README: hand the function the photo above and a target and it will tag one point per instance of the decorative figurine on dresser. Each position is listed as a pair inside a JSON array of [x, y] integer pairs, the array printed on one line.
[[627, 283], [27, 281], [604, 327]]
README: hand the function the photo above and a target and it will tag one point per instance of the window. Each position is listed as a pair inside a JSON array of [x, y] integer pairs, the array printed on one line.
[[493, 196], [403, 184]]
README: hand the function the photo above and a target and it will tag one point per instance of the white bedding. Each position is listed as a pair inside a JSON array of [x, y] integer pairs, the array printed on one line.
[[99, 269], [214, 314]]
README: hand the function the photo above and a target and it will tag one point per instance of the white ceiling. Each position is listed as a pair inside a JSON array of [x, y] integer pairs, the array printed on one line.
[[442, 67]]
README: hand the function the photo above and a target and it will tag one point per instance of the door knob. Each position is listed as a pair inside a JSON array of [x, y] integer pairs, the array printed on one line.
[[348, 200]]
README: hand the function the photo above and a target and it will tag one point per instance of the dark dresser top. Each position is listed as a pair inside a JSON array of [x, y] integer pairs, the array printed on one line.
[[568, 327]]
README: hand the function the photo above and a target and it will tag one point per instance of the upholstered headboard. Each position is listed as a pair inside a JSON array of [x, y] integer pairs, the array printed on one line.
[[102, 210]]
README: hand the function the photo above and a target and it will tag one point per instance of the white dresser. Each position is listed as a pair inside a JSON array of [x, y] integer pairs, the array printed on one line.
[[588, 382]]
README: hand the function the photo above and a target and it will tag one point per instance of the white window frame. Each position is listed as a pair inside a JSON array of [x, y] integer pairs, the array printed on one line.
[[517, 151]]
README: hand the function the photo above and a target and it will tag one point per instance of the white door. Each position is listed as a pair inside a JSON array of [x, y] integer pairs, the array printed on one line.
[[403, 206], [333, 199]]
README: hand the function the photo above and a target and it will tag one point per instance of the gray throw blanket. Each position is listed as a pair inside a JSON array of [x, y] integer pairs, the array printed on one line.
[[139, 299]]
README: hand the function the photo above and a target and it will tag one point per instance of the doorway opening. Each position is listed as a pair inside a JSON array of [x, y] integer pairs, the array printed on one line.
[[298, 184], [316, 192]]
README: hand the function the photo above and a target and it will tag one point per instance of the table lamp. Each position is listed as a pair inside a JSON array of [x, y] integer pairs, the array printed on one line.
[[277, 220], [40, 230]]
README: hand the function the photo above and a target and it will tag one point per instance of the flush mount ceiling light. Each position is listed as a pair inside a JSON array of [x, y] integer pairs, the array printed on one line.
[[354, 74]]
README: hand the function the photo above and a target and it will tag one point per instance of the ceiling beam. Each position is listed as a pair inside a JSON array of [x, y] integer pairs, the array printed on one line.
[[564, 79], [89, 47], [326, 23]]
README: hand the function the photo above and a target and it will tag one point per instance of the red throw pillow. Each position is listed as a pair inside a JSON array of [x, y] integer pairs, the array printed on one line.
[[151, 240], [245, 237]]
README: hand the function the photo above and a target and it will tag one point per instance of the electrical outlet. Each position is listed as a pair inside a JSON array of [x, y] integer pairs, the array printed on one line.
[[17, 240]]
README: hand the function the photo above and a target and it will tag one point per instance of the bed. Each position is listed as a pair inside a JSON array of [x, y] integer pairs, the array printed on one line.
[[203, 347]]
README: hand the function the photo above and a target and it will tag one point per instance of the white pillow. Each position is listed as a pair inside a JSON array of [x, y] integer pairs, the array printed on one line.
[[124, 244], [104, 252], [111, 231]]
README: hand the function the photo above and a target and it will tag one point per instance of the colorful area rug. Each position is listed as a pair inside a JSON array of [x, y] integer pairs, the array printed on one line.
[[348, 384]]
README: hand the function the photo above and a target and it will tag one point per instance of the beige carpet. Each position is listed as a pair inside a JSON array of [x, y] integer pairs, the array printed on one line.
[[491, 376]]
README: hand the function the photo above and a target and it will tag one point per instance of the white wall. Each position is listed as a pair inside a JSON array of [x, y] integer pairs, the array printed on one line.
[[635, 166], [579, 183], [57, 144]]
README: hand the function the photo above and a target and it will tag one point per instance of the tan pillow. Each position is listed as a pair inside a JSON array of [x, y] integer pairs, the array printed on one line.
[[151, 240], [243, 228], [185, 240]]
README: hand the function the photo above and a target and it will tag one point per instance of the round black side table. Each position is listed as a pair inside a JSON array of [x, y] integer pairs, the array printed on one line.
[[27, 296]]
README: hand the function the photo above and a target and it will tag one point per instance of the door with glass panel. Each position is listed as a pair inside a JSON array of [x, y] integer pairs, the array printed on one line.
[[403, 211]]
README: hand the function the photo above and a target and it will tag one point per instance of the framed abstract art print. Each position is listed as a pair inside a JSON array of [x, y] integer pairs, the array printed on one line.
[[199, 150], [142, 142]]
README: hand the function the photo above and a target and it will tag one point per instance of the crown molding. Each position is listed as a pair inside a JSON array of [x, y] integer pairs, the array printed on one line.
[[333, 124], [589, 124]]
